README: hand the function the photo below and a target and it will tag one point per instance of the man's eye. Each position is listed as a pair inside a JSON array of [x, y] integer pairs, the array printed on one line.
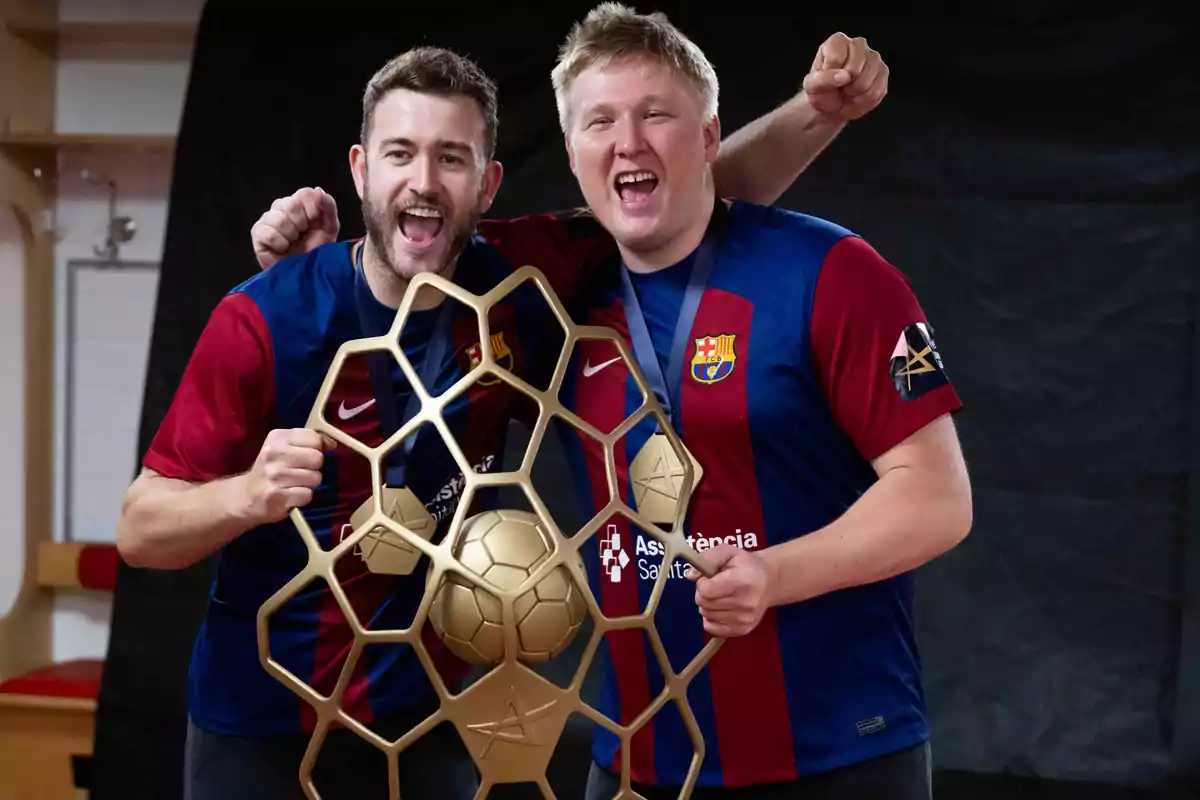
[[452, 160], [599, 121]]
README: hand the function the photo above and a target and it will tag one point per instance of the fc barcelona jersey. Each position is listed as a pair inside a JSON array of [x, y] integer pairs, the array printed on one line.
[[258, 366], [808, 357]]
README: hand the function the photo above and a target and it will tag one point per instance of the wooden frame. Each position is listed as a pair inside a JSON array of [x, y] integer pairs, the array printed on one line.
[[38, 738], [42, 31], [27, 187], [18, 140], [25, 633]]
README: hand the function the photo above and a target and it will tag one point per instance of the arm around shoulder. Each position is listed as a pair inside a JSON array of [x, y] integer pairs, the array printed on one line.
[[758, 162]]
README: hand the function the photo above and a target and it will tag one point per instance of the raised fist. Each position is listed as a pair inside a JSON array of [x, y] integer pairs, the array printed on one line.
[[295, 224], [847, 78], [285, 473]]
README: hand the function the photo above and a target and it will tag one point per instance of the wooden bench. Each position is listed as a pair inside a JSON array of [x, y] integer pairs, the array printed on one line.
[[47, 714]]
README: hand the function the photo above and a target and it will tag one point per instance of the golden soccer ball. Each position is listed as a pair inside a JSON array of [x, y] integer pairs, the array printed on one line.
[[504, 548]]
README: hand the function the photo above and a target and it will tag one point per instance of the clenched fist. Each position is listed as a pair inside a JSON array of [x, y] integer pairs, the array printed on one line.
[[285, 473], [732, 602], [295, 224], [847, 78]]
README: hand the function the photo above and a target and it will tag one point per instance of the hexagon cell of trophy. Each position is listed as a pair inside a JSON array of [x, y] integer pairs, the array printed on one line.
[[549, 571]]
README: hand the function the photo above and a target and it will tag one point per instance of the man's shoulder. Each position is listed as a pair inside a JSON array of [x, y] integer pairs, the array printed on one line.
[[297, 303], [305, 277], [788, 245], [784, 224]]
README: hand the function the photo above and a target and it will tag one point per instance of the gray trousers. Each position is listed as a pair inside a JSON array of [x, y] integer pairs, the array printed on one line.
[[906, 775], [220, 767]]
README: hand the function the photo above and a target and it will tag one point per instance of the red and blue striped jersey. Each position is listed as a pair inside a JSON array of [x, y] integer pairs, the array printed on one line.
[[809, 356], [258, 366]]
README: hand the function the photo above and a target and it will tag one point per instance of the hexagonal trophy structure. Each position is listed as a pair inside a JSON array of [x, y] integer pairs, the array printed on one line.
[[511, 718]]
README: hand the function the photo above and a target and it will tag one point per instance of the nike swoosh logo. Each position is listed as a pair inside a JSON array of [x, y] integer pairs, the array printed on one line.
[[589, 370], [347, 413]]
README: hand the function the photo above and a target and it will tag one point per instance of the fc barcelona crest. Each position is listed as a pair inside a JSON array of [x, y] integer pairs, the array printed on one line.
[[500, 352], [714, 358]]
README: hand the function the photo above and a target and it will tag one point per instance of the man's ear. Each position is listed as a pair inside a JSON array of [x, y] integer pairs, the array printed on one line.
[[712, 139], [570, 155], [493, 174], [358, 168]]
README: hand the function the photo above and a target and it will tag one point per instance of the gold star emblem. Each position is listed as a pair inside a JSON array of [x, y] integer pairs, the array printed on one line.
[[657, 474], [515, 716], [384, 551], [515, 725]]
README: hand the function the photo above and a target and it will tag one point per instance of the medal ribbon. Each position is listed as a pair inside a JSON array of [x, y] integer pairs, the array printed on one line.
[[668, 392], [382, 384]]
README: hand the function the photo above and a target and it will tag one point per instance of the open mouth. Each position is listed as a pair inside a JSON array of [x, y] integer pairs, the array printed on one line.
[[420, 224], [635, 187]]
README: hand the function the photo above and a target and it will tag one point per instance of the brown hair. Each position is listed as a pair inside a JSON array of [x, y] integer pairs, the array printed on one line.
[[612, 31], [433, 70]]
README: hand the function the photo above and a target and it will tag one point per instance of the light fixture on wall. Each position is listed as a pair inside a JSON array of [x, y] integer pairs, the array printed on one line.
[[120, 229]]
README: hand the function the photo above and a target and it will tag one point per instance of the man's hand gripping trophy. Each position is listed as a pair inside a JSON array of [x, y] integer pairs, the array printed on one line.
[[503, 620]]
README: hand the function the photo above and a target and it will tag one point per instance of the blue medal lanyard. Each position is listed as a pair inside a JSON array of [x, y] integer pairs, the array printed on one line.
[[382, 365], [668, 392]]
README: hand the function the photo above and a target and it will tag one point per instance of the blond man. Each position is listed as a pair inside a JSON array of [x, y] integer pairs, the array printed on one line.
[[802, 374]]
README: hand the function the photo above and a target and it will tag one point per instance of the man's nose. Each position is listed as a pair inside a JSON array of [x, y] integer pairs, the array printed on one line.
[[630, 138], [423, 178]]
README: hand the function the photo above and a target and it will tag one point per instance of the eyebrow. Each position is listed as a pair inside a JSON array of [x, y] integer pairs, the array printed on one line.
[[605, 106], [596, 108], [443, 144]]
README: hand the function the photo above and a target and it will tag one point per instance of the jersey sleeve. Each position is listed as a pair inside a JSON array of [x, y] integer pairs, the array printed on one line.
[[874, 350], [222, 410], [569, 247]]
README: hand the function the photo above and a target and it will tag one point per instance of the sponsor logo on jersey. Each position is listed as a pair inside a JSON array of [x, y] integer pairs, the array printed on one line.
[[915, 365], [501, 353], [714, 358], [613, 558], [346, 412], [442, 504], [590, 369], [648, 552]]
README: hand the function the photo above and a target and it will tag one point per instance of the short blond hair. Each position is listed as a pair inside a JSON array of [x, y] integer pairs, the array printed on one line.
[[611, 32]]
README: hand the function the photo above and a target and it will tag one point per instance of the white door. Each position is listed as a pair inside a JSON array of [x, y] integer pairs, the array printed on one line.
[[12, 407]]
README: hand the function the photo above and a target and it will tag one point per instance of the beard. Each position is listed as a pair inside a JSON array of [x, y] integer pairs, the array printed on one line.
[[379, 221]]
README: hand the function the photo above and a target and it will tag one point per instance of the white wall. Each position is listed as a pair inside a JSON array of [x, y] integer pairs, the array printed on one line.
[[12, 408], [110, 88]]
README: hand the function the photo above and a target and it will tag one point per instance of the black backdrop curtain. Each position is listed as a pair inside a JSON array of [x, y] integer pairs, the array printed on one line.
[[1034, 172]]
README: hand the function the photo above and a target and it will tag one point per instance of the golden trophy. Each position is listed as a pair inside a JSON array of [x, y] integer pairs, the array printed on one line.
[[504, 588]]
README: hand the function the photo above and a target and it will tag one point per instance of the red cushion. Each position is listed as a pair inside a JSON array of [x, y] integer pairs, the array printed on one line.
[[79, 678], [98, 567]]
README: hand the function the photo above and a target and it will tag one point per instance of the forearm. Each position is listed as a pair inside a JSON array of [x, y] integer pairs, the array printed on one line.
[[172, 524], [907, 518], [760, 160]]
